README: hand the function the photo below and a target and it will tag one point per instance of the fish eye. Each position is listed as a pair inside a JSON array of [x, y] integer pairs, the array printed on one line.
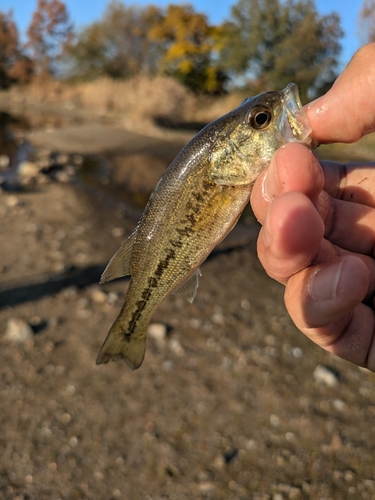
[[260, 118]]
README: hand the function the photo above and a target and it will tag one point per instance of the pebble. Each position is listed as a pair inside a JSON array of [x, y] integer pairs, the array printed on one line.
[[339, 404], [73, 441], [176, 347], [274, 420], [326, 375], [112, 298], [62, 159], [245, 304], [206, 486], [63, 176], [18, 330], [4, 162], [167, 365], [157, 331], [217, 318], [77, 160], [297, 352], [11, 201], [70, 390], [27, 169], [117, 232], [98, 295], [195, 322]]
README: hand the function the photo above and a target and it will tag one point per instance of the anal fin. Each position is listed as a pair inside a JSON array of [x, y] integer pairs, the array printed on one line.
[[189, 288], [119, 265]]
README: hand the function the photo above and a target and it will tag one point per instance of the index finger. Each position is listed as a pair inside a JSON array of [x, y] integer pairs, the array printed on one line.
[[354, 182], [347, 111]]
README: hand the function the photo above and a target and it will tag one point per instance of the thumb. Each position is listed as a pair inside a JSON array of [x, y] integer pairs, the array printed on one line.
[[347, 111]]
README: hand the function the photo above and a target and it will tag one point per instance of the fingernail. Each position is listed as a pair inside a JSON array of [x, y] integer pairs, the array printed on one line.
[[271, 186], [324, 282]]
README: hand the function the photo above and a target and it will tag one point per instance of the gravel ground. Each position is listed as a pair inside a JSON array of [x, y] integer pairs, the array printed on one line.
[[230, 403]]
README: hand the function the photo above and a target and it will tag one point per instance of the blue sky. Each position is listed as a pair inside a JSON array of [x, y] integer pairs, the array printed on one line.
[[86, 11]]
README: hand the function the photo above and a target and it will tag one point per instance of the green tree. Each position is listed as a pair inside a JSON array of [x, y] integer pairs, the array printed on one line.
[[190, 48], [119, 45], [49, 35], [367, 21], [275, 42]]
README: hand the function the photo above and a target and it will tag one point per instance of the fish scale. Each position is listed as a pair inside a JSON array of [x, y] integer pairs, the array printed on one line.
[[194, 206]]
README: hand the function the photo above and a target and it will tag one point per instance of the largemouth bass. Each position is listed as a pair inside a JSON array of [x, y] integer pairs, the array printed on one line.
[[196, 203]]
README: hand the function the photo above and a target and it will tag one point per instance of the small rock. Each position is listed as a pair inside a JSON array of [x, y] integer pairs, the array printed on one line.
[[81, 258], [206, 486], [167, 365], [176, 347], [18, 330], [4, 162], [77, 160], [195, 322], [117, 232], [297, 352], [219, 462], [278, 496], [217, 318], [73, 441], [339, 404], [157, 331], [62, 159], [98, 295], [11, 201], [70, 390], [112, 298], [63, 176], [70, 292], [274, 420], [349, 475], [326, 375], [245, 304], [28, 169]]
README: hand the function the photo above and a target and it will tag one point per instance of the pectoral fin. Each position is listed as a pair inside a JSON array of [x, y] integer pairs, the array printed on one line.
[[229, 166], [119, 265], [189, 288]]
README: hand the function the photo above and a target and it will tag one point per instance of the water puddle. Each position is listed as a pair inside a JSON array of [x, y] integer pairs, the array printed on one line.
[[127, 177]]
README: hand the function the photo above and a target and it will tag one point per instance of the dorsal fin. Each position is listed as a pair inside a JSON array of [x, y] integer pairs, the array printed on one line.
[[119, 265], [189, 288]]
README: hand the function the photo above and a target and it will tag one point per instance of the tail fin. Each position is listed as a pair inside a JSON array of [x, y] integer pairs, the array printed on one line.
[[117, 345]]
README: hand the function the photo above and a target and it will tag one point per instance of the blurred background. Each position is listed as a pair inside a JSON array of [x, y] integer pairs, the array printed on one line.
[[96, 99]]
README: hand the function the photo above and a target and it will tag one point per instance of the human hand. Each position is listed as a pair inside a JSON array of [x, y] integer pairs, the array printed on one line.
[[318, 234]]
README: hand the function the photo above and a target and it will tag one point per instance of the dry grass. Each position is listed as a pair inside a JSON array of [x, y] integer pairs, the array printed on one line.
[[137, 101]]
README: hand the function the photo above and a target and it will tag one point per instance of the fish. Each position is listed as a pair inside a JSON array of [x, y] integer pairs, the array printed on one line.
[[195, 204]]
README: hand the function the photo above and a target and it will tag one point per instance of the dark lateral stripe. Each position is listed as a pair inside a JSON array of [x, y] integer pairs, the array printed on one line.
[[193, 208], [146, 294]]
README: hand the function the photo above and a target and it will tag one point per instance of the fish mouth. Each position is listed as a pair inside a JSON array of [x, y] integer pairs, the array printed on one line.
[[294, 125]]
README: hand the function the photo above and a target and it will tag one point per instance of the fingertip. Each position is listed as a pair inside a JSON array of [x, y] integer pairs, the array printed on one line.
[[298, 170], [346, 112]]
